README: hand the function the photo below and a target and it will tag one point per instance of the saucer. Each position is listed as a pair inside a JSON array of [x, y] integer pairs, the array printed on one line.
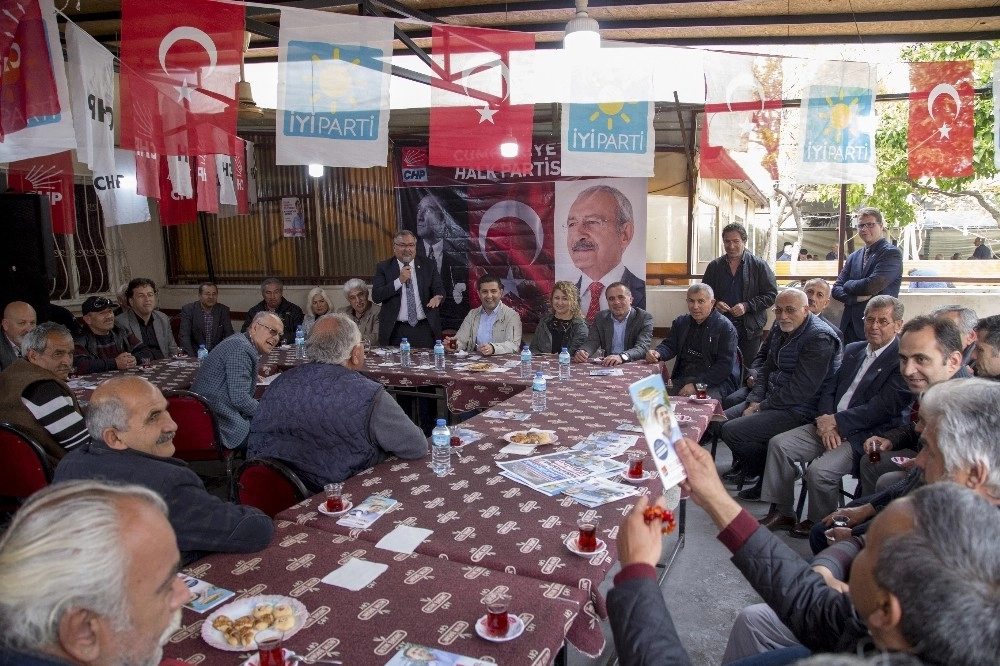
[[682, 418], [700, 400], [255, 660], [646, 476], [322, 509], [571, 544], [899, 460], [515, 629]]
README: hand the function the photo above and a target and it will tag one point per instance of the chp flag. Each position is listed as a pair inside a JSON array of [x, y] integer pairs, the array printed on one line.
[[92, 83], [120, 202], [939, 141], [51, 175]]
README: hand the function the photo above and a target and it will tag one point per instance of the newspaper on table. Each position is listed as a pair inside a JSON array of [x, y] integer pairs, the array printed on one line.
[[607, 372], [596, 491], [412, 654], [367, 512], [509, 414], [550, 473], [609, 444], [656, 414]]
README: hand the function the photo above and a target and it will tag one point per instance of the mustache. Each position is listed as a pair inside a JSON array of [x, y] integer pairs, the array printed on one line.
[[584, 244], [165, 437]]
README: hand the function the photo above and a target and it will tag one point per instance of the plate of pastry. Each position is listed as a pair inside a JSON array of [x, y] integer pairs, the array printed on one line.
[[531, 437], [234, 626]]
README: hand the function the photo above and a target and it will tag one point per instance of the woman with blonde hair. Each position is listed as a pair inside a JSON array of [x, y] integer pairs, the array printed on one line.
[[317, 305], [564, 325]]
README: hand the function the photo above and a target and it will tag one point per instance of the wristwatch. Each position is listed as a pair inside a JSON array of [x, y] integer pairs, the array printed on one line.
[[624, 356]]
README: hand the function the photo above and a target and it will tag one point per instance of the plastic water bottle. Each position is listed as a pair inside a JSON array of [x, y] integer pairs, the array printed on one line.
[[538, 393], [441, 448], [438, 355], [564, 365], [404, 353], [526, 363], [300, 342], [202, 354]]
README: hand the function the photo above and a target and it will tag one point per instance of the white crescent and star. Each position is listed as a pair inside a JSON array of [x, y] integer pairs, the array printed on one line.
[[521, 211], [199, 37], [745, 81], [486, 113], [950, 91]]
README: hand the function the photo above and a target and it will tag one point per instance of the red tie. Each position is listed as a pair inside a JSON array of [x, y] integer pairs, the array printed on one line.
[[595, 301], [915, 412]]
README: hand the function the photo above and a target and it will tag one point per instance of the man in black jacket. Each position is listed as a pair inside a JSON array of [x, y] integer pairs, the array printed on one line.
[[291, 315], [410, 290]]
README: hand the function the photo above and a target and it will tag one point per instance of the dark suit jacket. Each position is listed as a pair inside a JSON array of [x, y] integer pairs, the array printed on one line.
[[759, 288], [882, 275], [634, 284], [638, 334], [192, 331], [384, 292], [877, 402], [7, 353]]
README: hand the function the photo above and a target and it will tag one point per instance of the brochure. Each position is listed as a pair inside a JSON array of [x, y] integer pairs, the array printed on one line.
[[411, 654], [204, 595], [656, 414], [596, 491], [367, 512]]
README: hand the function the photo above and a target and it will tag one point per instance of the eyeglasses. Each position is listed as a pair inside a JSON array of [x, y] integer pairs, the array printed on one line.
[[865, 225], [405, 244], [881, 322], [273, 332], [101, 304], [788, 310], [586, 224]]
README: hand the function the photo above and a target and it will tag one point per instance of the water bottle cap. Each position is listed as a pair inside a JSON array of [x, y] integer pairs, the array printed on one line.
[[442, 422], [538, 375], [565, 350], [437, 342], [405, 340]]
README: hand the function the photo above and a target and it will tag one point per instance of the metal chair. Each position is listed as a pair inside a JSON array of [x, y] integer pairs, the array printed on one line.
[[24, 467], [197, 437], [269, 485]]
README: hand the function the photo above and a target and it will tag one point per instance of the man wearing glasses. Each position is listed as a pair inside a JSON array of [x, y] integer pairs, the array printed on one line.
[[410, 290], [228, 377], [875, 269]]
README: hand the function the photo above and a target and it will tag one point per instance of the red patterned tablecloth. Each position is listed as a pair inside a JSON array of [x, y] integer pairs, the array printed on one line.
[[169, 374]]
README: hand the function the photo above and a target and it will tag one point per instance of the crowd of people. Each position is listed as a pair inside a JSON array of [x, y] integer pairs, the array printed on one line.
[[806, 397]]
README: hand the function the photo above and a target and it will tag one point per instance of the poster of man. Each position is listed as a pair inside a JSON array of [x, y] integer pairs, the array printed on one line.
[[600, 238], [443, 236], [293, 219]]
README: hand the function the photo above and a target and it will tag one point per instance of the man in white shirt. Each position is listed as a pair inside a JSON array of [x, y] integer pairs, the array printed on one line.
[[491, 329]]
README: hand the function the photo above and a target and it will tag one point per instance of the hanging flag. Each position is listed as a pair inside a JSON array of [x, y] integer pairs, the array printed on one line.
[[240, 176], [333, 89], [207, 184], [147, 172], [939, 141], [188, 53], [120, 202], [471, 113], [251, 174], [175, 207], [35, 116], [179, 173], [224, 169], [740, 93], [838, 124], [92, 84], [51, 175], [607, 124]]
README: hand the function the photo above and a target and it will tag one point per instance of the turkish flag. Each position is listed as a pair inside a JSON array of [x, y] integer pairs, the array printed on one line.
[[27, 85], [471, 113], [187, 53], [207, 186], [175, 207], [52, 176], [941, 119]]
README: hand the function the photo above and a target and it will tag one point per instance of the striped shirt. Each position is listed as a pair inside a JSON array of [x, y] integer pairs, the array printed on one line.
[[54, 411]]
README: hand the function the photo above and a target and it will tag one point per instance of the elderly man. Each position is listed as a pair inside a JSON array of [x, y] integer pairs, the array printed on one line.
[[966, 319], [744, 287], [818, 292], [802, 360], [205, 321], [18, 319], [331, 435], [599, 228], [88, 575], [291, 315], [145, 322], [868, 396], [704, 344], [34, 395], [131, 441], [986, 352], [875, 269], [410, 291], [445, 242], [228, 377], [103, 345], [492, 328], [360, 309], [930, 551], [622, 331]]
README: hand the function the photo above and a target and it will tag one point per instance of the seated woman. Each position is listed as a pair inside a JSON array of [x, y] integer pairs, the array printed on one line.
[[317, 305], [564, 326]]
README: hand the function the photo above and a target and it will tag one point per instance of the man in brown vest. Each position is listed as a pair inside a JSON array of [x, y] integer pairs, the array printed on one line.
[[34, 395]]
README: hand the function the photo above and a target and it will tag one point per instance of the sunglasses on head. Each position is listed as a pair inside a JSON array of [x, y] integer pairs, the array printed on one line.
[[101, 304]]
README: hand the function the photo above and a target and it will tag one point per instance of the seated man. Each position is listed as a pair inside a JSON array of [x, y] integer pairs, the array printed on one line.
[[103, 345], [18, 319], [704, 343], [360, 308], [330, 435], [624, 333], [818, 292], [145, 322], [205, 321], [291, 315], [966, 319], [228, 377], [88, 575], [34, 395], [491, 329], [802, 358], [868, 397], [986, 354], [932, 550], [131, 441]]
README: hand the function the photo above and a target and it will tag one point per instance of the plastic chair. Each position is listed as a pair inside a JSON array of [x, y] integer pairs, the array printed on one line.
[[24, 467], [269, 485], [197, 437]]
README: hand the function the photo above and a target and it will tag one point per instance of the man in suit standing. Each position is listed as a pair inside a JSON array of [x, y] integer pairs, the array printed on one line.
[[599, 228], [410, 292], [868, 397], [445, 242], [875, 269], [145, 322], [205, 321], [624, 332]]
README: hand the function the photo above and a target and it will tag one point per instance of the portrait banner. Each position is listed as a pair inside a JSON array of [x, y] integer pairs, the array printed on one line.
[[939, 141], [293, 217]]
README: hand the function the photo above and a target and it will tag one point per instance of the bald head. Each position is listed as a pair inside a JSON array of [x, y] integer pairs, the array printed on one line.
[[130, 413], [18, 318]]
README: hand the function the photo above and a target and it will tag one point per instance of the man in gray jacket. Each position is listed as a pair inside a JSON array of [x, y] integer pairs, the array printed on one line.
[[145, 322], [624, 333]]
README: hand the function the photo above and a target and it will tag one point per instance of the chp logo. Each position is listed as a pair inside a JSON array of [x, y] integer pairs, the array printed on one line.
[[413, 165]]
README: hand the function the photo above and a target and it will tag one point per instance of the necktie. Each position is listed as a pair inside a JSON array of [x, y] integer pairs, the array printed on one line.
[[865, 257], [411, 303], [430, 253], [915, 412], [595, 301]]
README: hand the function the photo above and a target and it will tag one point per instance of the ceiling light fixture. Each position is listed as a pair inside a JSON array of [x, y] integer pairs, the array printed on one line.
[[582, 32], [509, 147]]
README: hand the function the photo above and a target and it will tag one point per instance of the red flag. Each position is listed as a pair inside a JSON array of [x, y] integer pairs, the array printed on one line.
[[716, 162], [174, 208], [189, 53], [240, 175], [52, 176], [27, 86], [471, 114], [208, 188], [941, 119]]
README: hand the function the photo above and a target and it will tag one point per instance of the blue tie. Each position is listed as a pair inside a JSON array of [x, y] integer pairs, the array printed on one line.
[[411, 302]]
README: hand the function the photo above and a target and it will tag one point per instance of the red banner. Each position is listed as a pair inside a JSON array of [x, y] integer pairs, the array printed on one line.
[[471, 114], [27, 86], [206, 184], [189, 53], [52, 176], [240, 175], [941, 119], [174, 208]]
